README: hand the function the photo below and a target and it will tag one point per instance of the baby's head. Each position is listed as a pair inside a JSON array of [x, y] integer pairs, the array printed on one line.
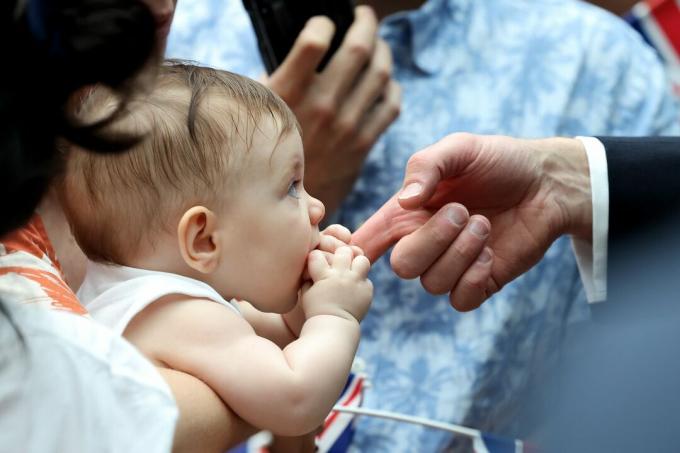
[[213, 191]]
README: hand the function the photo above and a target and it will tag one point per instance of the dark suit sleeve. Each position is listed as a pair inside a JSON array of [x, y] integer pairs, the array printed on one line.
[[644, 182]]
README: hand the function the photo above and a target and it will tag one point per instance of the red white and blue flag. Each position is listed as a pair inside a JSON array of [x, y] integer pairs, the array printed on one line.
[[338, 429], [658, 21], [488, 443]]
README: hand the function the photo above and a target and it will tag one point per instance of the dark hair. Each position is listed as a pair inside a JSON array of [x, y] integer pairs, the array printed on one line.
[[51, 49], [54, 48]]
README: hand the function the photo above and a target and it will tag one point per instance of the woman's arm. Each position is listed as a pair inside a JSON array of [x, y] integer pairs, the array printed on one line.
[[205, 423]]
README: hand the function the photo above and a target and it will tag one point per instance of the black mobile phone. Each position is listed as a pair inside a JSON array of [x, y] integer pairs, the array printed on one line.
[[277, 24]]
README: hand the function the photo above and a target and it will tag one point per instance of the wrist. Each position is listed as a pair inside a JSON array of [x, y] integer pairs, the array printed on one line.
[[337, 312], [567, 175]]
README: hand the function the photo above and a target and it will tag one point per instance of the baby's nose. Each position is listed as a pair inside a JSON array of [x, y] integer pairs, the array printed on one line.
[[316, 211]]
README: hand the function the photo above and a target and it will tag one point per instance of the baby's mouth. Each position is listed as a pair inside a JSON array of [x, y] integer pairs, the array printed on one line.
[[315, 242]]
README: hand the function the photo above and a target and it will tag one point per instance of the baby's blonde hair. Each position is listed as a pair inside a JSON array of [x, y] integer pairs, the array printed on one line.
[[194, 124]]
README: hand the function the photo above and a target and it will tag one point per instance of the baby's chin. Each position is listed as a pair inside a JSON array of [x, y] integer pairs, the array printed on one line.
[[287, 303]]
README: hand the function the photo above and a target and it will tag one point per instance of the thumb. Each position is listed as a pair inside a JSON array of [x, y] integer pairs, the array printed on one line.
[[386, 227], [427, 167]]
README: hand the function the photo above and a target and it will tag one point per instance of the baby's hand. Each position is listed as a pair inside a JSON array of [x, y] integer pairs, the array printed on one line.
[[336, 236], [340, 288], [333, 237]]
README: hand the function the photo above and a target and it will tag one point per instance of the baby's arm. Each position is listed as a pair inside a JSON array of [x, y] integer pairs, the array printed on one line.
[[289, 391], [280, 329]]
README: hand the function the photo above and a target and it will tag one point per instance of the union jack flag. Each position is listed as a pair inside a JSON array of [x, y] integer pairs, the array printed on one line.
[[338, 428], [658, 21]]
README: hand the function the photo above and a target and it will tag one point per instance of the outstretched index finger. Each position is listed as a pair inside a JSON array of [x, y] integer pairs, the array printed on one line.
[[384, 228]]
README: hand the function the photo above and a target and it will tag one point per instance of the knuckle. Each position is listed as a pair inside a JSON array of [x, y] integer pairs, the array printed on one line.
[[403, 267], [492, 287], [315, 46], [462, 139], [393, 110], [324, 109], [478, 286], [434, 285], [312, 42], [441, 238], [359, 50], [369, 286], [346, 127], [382, 74], [464, 252], [363, 143], [418, 160]]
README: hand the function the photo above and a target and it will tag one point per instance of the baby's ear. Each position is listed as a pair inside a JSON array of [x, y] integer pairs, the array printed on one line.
[[196, 236]]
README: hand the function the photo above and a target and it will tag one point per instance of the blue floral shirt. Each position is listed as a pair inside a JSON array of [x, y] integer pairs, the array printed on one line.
[[516, 67]]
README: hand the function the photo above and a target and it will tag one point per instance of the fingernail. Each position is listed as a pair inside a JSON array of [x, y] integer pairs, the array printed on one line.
[[457, 215], [479, 228], [484, 257], [411, 191]]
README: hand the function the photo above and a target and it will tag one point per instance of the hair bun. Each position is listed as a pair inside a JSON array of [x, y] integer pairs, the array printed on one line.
[[90, 41], [52, 48]]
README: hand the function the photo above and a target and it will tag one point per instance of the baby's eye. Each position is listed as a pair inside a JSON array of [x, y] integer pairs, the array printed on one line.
[[293, 189]]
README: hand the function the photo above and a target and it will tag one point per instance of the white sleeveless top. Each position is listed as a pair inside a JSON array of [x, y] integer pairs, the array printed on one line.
[[114, 294]]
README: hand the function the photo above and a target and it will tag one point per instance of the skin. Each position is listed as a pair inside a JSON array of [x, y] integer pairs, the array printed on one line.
[[163, 12], [256, 244], [343, 109], [205, 423], [475, 212]]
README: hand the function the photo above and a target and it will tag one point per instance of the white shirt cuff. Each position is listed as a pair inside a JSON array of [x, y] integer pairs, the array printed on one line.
[[591, 258]]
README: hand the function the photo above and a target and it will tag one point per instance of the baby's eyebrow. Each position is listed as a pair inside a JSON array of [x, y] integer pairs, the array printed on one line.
[[296, 163], [291, 167]]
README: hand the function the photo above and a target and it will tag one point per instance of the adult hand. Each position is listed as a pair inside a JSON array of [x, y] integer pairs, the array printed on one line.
[[343, 109], [522, 194]]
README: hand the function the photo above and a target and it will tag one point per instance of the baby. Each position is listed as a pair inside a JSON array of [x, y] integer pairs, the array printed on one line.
[[206, 210]]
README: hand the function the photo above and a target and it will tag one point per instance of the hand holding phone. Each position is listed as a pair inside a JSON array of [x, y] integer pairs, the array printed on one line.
[[278, 23], [342, 109]]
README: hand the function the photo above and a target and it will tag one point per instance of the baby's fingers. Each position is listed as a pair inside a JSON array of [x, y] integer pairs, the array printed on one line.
[[361, 266], [317, 265], [329, 243], [342, 260], [339, 232]]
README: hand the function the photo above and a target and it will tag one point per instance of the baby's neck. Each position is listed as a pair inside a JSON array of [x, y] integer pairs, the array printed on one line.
[[163, 256]]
